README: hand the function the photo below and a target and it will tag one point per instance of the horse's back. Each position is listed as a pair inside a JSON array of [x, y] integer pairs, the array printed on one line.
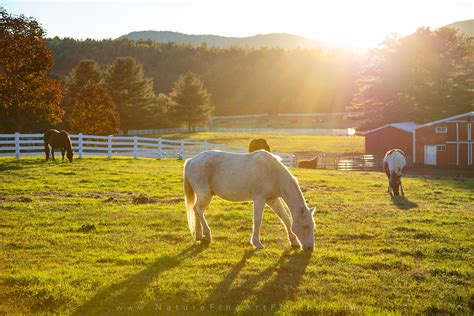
[[395, 161], [47, 135], [230, 175]]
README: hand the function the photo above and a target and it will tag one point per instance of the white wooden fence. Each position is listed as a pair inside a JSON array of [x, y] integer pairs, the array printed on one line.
[[299, 131], [18, 145]]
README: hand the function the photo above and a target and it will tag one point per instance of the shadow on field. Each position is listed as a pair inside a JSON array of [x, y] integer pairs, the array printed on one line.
[[268, 289], [18, 164], [403, 203], [109, 300]]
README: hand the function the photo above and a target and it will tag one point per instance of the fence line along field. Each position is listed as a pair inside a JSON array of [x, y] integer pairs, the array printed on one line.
[[109, 236], [286, 143]]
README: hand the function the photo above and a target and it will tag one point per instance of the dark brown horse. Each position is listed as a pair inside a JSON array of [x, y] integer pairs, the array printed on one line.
[[57, 139], [259, 143]]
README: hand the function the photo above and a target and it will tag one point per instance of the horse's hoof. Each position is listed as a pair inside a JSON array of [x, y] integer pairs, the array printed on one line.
[[257, 245], [206, 240]]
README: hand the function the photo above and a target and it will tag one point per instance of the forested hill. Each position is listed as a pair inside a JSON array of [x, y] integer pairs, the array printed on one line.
[[261, 40], [240, 80], [466, 27]]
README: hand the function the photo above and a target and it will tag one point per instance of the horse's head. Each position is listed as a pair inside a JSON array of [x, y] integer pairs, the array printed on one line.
[[303, 227], [395, 184], [70, 155]]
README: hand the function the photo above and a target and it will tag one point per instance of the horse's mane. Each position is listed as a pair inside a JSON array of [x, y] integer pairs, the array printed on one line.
[[289, 179]]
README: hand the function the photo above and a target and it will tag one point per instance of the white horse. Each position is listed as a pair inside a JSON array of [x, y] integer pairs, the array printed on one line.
[[257, 176], [394, 164]]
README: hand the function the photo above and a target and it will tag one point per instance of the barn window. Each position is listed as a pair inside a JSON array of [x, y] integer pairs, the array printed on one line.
[[441, 129], [440, 147]]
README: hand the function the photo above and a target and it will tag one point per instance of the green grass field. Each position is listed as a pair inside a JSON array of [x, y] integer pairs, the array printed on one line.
[[285, 143], [110, 237]]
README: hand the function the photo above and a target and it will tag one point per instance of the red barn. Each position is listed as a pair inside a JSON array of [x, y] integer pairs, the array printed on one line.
[[396, 135], [446, 142]]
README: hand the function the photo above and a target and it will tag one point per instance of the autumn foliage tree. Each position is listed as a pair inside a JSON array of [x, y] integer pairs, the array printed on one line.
[[94, 111], [190, 101], [28, 96]]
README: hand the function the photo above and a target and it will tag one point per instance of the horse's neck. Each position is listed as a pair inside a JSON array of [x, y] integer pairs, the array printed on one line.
[[292, 196]]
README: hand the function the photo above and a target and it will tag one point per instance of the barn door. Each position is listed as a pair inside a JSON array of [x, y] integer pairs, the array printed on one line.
[[430, 155]]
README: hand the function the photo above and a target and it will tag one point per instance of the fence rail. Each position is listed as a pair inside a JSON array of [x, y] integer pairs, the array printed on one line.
[[300, 131], [18, 145]]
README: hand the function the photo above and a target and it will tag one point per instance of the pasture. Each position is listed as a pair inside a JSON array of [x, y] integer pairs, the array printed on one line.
[[109, 236], [285, 143]]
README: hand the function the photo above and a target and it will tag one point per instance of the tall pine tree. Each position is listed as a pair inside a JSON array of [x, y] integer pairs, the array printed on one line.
[[131, 91], [190, 101], [421, 77]]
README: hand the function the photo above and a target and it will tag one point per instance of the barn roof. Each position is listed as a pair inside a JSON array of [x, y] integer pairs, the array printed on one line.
[[405, 126], [446, 119]]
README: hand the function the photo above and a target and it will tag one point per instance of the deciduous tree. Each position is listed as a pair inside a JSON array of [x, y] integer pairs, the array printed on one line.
[[28, 96], [94, 111]]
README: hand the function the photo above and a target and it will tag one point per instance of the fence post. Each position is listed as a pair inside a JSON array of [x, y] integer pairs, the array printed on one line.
[[135, 146], [109, 146], [181, 150], [160, 151], [81, 144], [17, 145]]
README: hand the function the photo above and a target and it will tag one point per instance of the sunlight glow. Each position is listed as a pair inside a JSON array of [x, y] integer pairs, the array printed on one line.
[[363, 23]]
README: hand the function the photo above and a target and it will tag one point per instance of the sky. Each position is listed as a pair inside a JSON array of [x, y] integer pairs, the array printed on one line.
[[353, 23]]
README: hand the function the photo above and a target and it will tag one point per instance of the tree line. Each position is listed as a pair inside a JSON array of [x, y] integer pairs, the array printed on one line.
[[140, 84]]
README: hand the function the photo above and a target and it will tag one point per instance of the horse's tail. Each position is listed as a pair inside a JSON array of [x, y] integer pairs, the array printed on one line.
[[189, 200]]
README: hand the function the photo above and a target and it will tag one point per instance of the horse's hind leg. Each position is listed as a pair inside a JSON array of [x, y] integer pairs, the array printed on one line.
[[279, 210], [62, 152], [200, 206], [197, 226], [52, 153]]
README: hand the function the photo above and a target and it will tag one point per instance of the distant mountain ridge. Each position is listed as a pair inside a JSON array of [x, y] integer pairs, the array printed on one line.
[[466, 27], [282, 40]]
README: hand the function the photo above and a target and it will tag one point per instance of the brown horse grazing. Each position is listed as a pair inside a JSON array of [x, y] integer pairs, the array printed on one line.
[[259, 143], [57, 139], [309, 164]]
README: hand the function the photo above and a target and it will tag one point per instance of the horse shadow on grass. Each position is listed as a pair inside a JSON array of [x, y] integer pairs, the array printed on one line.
[[129, 291], [280, 283], [403, 203]]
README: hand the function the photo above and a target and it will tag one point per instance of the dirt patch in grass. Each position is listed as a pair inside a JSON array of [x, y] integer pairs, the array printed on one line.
[[143, 199], [86, 228], [24, 199], [358, 236]]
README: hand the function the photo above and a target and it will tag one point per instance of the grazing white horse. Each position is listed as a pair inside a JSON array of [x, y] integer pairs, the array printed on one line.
[[257, 176], [394, 164]]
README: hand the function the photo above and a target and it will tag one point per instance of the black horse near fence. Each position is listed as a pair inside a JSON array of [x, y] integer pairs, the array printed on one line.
[[57, 139]]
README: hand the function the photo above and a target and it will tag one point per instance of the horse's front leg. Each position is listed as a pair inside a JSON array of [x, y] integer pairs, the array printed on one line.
[[46, 151], [279, 210], [401, 187], [52, 153], [258, 206], [62, 152]]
